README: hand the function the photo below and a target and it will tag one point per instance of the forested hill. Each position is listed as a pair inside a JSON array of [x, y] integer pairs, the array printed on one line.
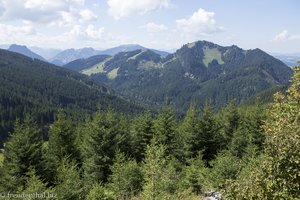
[[39, 88], [198, 72]]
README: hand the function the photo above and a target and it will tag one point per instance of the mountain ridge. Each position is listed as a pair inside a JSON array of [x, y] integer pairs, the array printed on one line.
[[197, 72], [70, 55], [39, 88]]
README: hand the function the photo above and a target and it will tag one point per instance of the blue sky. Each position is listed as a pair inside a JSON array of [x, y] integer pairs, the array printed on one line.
[[162, 24]]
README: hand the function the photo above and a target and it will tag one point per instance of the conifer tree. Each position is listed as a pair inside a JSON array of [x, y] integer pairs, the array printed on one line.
[[230, 120], [154, 173], [126, 179], [167, 134], [195, 176], [208, 139], [103, 137], [61, 144], [22, 152], [35, 187], [100, 192], [62, 139], [68, 183], [142, 131], [188, 130]]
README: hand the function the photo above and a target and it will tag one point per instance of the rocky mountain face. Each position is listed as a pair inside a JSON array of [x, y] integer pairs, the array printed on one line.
[[197, 73]]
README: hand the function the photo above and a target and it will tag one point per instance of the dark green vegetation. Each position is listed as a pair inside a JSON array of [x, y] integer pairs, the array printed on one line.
[[38, 88], [197, 72], [247, 153]]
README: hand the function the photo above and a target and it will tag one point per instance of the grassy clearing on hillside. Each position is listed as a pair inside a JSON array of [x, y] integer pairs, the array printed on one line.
[[210, 55], [113, 73], [99, 68], [1, 159]]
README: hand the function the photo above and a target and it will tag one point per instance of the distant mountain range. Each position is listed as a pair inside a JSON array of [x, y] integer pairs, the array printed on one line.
[[69, 55], [62, 57], [47, 53], [288, 59], [73, 54], [25, 51], [130, 47], [197, 72]]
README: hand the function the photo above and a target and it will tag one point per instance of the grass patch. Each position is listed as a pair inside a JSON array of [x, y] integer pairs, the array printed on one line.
[[1, 159], [98, 68], [210, 55], [113, 73]]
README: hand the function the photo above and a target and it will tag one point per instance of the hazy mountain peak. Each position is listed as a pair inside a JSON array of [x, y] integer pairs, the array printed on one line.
[[72, 54], [22, 49]]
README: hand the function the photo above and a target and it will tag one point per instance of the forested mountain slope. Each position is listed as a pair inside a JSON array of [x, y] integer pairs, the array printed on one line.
[[39, 88], [197, 72]]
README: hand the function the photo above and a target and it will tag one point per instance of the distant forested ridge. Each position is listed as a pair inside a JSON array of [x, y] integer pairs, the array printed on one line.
[[249, 152], [40, 89], [198, 72]]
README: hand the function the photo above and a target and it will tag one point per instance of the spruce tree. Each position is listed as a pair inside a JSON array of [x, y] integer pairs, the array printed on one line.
[[68, 184], [142, 131], [35, 187], [61, 144], [230, 121], [126, 179], [22, 152], [62, 139], [103, 136], [188, 130], [207, 139], [167, 134], [154, 173]]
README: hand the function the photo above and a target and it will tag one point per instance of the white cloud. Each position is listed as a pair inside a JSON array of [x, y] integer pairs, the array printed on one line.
[[58, 12], [123, 8], [16, 30], [77, 37], [15, 34], [92, 36], [284, 35], [154, 28], [91, 33], [201, 23], [87, 15]]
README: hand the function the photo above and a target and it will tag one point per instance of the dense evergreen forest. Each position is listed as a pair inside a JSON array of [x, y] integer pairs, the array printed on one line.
[[39, 89], [250, 152]]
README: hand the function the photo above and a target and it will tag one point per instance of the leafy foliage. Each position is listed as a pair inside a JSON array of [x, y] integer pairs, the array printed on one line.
[[276, 176]]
